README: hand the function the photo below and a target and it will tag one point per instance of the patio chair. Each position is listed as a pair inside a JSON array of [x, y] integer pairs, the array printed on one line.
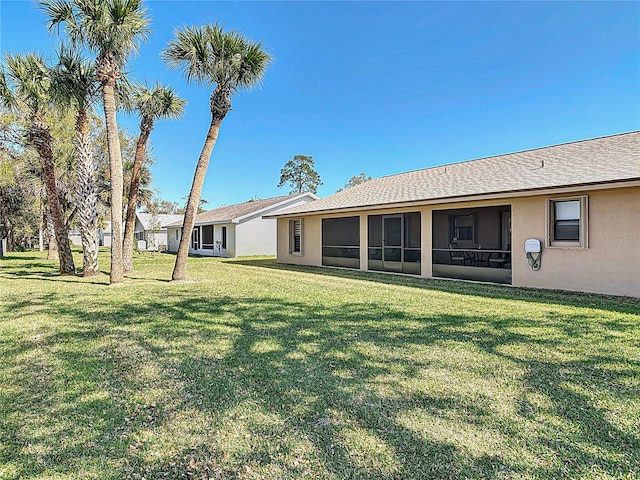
[[502, 259], [460, 256]]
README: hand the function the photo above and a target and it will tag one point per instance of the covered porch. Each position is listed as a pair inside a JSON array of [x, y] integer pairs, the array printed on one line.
[[472, 244], [211, 240]]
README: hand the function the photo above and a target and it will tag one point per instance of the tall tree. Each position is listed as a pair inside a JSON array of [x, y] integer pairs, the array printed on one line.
[[19, 198], [25, 85], [151, 103], [113, 29], [166, 207], [299, 172], [355, 180], [74, 84], [128, 143], [210, 56]]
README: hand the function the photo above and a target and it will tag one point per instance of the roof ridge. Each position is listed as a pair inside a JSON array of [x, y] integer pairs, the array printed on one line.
[[472, 160]]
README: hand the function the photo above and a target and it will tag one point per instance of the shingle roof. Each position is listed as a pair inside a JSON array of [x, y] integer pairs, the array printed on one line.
[[230, 213], [600, 160], [164, 219]]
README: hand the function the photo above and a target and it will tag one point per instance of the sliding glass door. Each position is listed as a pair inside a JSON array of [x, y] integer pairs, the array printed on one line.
[[394, 243]]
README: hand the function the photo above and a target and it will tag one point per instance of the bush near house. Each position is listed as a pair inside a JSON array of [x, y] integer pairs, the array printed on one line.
[[254, 370]]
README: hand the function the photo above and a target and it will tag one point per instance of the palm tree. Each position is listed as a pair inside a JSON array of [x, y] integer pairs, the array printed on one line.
[[73, 83], [24, 85], [208, 55], [113, 29], [151, 103]]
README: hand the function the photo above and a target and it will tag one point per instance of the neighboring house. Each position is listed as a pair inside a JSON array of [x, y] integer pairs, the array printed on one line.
[[104, 236], [237, 230], [148, 234], [75, 236], [471, 220], [3, 246], [151, 230]]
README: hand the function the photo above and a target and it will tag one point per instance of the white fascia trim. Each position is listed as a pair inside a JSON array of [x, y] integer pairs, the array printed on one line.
[[276, 206]]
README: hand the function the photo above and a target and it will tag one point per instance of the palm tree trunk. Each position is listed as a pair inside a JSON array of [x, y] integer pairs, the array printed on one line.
[[40, 138], [146, 125], [180, 268], [52, 245], [87, 197], [115, 163]]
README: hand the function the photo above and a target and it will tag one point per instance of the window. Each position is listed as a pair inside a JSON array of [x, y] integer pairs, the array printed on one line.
[[224, 237], [176, 234], [295, 236], [567, 222], [207, 237], [463, 228], [195, 239]]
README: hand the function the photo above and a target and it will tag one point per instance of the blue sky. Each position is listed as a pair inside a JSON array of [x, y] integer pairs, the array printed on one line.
[[383, 87]]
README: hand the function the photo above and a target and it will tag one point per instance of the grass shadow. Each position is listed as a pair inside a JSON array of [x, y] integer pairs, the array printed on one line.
[[588, 300], [258, 379]]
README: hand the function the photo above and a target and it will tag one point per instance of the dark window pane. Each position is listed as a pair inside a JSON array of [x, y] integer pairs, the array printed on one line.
[[393, 231], [464, 221], [412, 255], [375, 230], [344, 231], [341, 252], [412, 230], [392, 254], [464, 233], [224, 237], [567, 230], [375, 254], [207, 234], [463, 227]]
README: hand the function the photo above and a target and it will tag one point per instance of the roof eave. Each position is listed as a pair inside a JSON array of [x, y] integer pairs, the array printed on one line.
[[275, 205]]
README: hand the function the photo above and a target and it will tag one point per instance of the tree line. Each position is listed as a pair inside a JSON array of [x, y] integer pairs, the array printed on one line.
[[97, 40]]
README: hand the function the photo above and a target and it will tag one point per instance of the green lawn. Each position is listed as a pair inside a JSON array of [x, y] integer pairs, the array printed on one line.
[[254, 370]]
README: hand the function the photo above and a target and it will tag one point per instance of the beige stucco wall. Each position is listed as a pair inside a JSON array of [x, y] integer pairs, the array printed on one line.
[[610, 264], [311, 242]]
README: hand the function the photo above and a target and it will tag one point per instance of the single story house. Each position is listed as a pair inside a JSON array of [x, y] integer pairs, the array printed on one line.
[[104, 235], [151, 230], [237, 230], [561, 217], [75, 236]]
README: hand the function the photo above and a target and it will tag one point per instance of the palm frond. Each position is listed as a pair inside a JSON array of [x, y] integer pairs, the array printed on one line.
[[212, 56], [62, 15], [28, 77], [7, 98], [109, 27], [73, 79], [189, 53], [156, 101]]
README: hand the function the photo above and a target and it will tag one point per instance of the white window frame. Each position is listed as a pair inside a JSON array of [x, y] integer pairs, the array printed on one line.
[[292, 234], [583, 241]]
